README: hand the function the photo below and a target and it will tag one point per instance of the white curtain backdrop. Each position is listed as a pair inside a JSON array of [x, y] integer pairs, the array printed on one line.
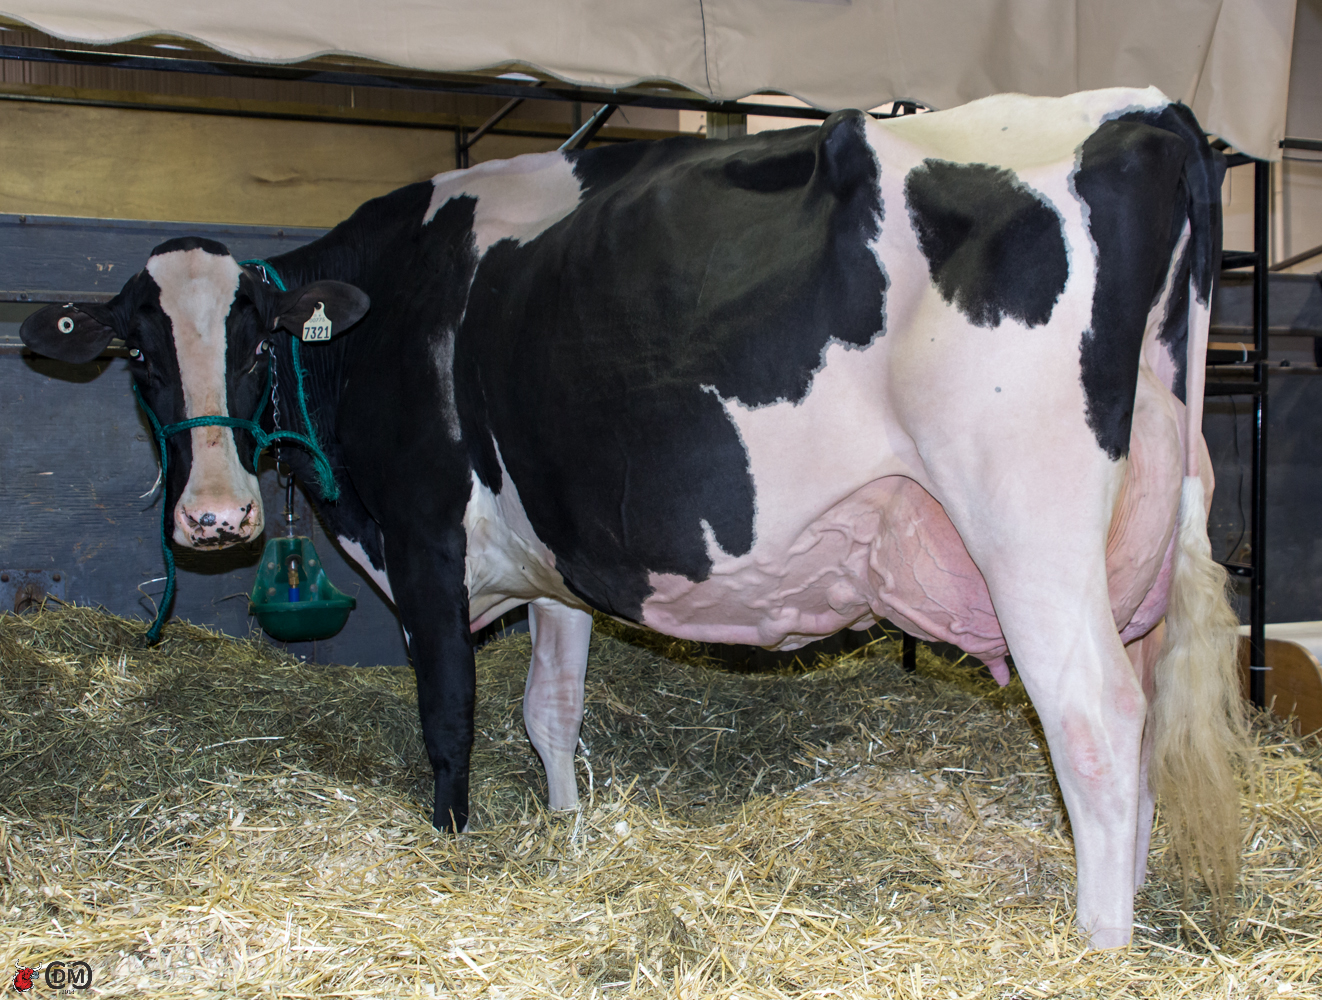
[[1228, 59]]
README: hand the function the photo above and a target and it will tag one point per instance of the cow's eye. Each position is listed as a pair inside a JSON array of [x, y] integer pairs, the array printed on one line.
[[262, 346], [135, 354]]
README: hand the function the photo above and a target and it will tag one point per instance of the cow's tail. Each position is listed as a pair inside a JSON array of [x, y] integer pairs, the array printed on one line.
[[1197, 714]]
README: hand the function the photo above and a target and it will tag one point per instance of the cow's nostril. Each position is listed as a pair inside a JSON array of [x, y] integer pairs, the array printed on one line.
[[207, 520]]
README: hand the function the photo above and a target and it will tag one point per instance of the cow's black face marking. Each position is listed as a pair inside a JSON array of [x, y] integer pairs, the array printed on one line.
[[994, 247], [1129, 177], [692, 271], [154, 367], [191, 243], [246, 367]]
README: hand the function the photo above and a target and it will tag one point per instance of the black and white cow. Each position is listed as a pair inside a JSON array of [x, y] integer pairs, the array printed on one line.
[[933, 369]]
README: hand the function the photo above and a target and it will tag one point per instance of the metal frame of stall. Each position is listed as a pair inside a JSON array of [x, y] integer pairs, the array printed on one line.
[[1255, 571], [518, 88], [1255, 386]]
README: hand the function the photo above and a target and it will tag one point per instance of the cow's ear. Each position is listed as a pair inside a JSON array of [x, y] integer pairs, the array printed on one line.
[[75, 332], [342, 304]]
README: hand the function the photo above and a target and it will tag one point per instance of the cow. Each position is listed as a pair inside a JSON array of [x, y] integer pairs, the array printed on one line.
[[943, 369]]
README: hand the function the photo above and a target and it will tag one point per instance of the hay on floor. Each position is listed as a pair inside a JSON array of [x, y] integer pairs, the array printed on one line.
[[215, 818]]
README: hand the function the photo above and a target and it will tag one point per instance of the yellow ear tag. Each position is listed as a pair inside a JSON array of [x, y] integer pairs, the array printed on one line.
[[318, 327]]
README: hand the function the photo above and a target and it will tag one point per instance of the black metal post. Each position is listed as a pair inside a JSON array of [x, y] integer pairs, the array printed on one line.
[[464, 142], [1258, 494], [909, 653], [438, 83], [588, 130], [460, 147]]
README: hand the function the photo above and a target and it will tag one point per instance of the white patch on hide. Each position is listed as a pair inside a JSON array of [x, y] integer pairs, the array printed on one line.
[[1013, 130], [197, 289], [1155, 353], [359, 555], [505, 564], [516, 199], [804, 458], [443, 356], [1200, 322]]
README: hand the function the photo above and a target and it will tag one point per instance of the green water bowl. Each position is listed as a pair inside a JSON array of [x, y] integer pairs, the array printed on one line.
[[320, 610]]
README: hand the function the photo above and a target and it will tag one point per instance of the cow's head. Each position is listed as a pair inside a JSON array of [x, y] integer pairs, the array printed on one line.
[[197, 327]]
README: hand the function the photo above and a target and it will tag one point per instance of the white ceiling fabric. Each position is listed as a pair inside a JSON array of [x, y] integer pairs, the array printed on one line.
[[1228, 59]]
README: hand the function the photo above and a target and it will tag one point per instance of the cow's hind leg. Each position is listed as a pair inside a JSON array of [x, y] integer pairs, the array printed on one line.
[[1092, 710], [553, 698], [1041, 548], [1143, 653]]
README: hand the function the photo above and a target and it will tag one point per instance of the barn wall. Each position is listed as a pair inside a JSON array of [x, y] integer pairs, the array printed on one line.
[[129, 164], [94, 141], [1298, 208], [76, 159], [1294, 483]]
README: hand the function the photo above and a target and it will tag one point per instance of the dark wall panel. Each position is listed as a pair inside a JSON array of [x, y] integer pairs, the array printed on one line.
[[1294, 489], [50, 258]]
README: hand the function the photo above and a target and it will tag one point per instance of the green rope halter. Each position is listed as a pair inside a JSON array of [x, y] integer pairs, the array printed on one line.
[[326, 484]]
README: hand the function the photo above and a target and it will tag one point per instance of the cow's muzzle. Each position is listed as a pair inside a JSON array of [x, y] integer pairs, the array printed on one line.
[[217, 524]]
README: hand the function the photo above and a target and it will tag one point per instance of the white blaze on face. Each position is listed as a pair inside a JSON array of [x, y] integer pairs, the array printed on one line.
[[221, 503]]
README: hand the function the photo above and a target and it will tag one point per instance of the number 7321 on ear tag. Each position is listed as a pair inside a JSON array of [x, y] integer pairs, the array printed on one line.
[[318, 326]]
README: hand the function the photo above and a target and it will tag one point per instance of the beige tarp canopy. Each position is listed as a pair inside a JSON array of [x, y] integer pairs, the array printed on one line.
[[1228, 59]]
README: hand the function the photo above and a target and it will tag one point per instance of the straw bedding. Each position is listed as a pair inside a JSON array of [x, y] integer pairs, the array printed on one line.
[[215, 818]]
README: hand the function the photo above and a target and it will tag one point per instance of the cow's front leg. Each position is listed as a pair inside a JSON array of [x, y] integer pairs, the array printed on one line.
[[427, 578], [553, 698]]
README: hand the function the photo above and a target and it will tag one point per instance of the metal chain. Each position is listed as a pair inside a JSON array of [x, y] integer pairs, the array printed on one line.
[[290, 517], [262, 269], [275, 389], [275, 399]]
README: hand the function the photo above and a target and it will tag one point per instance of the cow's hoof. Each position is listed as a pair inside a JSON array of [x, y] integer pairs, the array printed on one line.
[[450, 820]]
